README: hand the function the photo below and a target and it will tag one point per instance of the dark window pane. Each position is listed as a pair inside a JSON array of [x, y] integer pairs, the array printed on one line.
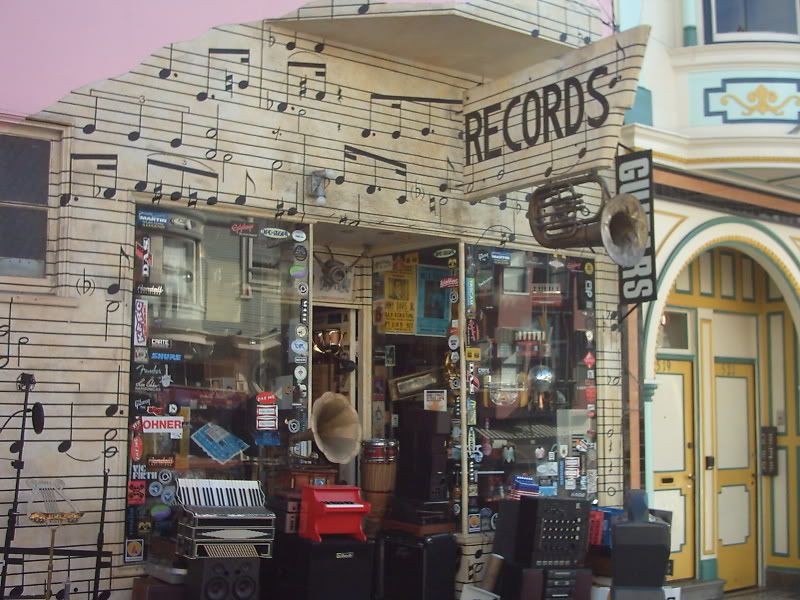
[[730, 16], [24, 169], [23, 233], [776, 16]]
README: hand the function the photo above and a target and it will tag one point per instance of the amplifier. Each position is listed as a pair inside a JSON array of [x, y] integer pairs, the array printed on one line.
[[551, 532], [227, 579], [337, 568], [417, 568]]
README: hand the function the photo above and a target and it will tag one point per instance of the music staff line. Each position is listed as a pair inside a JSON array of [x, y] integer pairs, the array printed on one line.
[[533, 18], [283, 141]]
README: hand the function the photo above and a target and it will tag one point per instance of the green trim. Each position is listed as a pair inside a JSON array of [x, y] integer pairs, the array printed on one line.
[[667, 356], [736, 360], [713, 292], [733, 274], [745, 297], [690, 35], [690, 291], [708, 569], [772, 508], [648, 391], [769, 315], [796, 393], [797, 468], [744, 247]]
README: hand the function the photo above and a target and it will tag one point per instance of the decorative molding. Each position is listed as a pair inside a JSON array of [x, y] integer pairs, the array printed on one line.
[[738, 99]]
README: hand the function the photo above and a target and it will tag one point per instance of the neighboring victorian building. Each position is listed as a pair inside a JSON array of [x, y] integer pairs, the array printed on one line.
[[180, 239], [719, 105]]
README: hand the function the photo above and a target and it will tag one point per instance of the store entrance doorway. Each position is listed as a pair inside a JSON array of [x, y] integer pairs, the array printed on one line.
[[334, 354]]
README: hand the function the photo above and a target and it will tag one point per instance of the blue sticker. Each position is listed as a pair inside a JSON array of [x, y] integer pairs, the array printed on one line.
[[267, 438], [299, 346], [155, 220], [501, 257]]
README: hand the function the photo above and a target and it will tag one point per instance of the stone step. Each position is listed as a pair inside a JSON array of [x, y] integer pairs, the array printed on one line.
[[697, 589]]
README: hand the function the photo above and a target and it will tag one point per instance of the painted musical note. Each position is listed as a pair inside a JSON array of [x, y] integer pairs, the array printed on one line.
[[241, 199], [292, 44], [617, 77], [319, 71], [135, 134], [5, 332], [113, 409], [112, 306], [177, 141], [364, 8], [221, 54], [65, 445], [277, 165], [115, 287], [200, 176], [396, 104], [346, 218], [90, 128], [443, 187], [400, 168], [104, 163], [167, 71]]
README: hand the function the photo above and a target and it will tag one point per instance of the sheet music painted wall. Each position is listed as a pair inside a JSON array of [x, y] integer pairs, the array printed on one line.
[[235, 119]]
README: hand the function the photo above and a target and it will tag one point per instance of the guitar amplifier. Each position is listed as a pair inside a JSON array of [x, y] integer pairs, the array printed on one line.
[[417, 568], [337, 568]]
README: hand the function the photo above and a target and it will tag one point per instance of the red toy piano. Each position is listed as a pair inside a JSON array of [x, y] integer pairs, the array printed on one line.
[[332, 509]]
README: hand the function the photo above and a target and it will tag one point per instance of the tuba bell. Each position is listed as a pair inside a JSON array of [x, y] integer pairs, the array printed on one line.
[[559, 218]]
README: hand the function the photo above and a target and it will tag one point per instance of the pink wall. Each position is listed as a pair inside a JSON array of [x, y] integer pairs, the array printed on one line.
[[49, 47]]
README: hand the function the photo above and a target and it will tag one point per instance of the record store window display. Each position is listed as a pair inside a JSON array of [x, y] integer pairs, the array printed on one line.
[[219, 354], [532, 391]]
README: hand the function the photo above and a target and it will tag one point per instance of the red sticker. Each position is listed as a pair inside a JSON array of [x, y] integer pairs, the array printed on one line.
[[136, 492], [137, 448], [589, 360], [266, 398], [591, 393]]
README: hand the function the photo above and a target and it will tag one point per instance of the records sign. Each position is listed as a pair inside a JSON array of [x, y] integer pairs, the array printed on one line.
[[558, 118], [637, 284]]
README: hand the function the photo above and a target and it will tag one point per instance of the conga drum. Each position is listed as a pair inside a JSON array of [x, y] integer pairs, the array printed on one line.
[[378, 471]]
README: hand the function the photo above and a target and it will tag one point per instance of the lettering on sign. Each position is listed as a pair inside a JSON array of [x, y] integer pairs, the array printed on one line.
[[637, 284], [560, 117]]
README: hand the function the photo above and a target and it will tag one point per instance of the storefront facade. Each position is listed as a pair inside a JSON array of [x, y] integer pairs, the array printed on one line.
[[274, 210], [719, 345]]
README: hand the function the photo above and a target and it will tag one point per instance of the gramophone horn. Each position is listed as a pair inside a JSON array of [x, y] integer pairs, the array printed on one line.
[[335, 428]]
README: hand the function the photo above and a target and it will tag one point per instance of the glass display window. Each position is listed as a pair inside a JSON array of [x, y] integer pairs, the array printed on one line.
[[220, 346], [531, 403]]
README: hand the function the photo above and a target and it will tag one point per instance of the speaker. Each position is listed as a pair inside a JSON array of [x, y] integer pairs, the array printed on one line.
[[417, 568], [422, 461], [223, 579], [337, 568], [553, 532]]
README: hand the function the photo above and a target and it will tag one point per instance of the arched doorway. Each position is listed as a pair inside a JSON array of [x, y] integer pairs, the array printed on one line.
[[721, 363]]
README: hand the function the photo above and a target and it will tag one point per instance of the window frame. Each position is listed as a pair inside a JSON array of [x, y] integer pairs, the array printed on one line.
[[53, 134], [751, 36]]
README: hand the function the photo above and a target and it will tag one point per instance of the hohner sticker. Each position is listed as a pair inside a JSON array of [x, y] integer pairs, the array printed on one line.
[[171, 425]]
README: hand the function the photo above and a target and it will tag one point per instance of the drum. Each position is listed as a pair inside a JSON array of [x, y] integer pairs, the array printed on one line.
[[378, 472], [379, 450]]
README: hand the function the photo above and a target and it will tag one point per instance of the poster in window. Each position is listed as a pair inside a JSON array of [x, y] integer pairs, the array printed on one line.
[[433, 304], [399, 310]]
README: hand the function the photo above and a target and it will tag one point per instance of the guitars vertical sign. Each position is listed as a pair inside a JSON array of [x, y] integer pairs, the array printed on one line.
[[559, 118], [637, 284]]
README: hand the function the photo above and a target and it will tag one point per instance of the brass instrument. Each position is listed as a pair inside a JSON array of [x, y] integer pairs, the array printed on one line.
[[560, 219]]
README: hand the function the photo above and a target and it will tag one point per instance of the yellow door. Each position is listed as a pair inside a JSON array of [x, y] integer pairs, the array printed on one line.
[[673, 459], [735, 463]]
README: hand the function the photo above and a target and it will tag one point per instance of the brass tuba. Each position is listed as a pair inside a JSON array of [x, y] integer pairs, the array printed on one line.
[[560, 219]]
